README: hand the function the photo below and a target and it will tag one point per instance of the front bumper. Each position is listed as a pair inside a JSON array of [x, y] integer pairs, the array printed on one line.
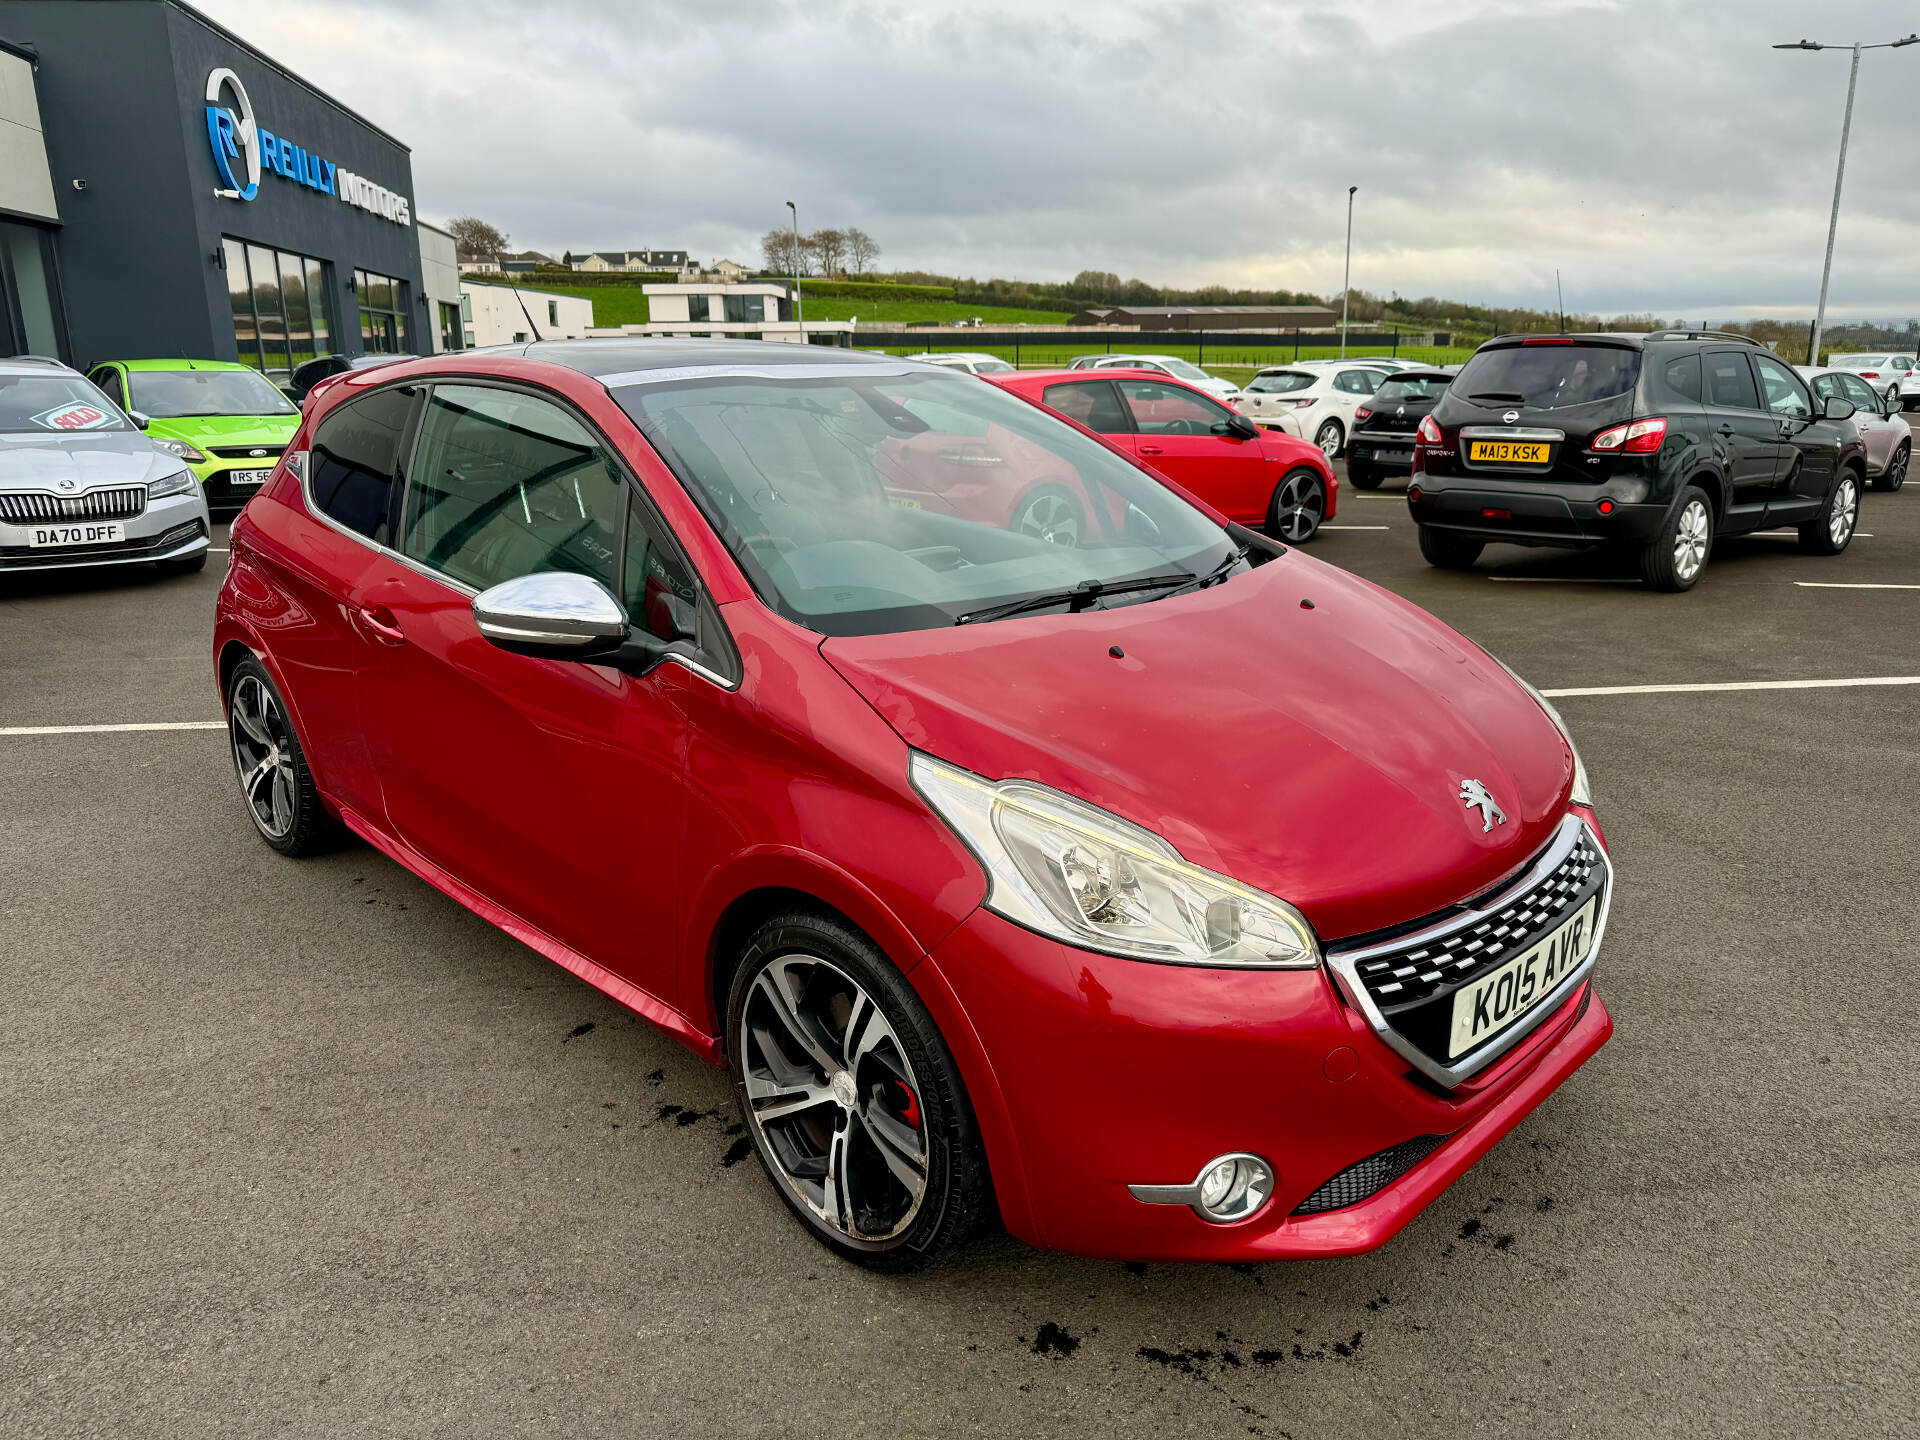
[[224, 496], [1109, 1073], [176, 528]]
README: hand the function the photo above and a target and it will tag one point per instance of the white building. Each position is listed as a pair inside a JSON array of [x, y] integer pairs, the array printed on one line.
[[508, 315], [628, 261], [727, 270], [440, 276], [715, 309]]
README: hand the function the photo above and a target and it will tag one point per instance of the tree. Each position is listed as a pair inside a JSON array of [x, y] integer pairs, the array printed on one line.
[[861, 250], [475, 238], [829, 250], [778, 251]]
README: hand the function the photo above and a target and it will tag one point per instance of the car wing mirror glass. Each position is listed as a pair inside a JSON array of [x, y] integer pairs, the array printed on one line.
[[1836, 408]]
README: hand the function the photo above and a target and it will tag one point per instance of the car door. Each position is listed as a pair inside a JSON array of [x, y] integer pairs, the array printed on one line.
[[1881, 432], [1186, 437], [1746, 437], [1809, 446], [555, 789]]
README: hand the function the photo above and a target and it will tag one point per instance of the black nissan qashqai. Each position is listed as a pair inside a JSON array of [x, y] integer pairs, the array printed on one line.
[[1659, 442]]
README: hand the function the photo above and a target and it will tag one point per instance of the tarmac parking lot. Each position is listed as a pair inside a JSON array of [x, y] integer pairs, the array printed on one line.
[[306, 1148]]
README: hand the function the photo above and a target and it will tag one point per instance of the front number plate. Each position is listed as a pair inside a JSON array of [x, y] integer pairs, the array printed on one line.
[[51, 536], [1508, 452], [248, 477], [1488, 1006]]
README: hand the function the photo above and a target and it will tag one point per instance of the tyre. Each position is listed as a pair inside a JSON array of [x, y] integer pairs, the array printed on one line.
[[855, 1106], [1362, 476], [275, 784], [1331, 439], [1831, 531], [1049, 514], [1444, 549], [1896, 472], [1299, 505], [192, 566], [1673, 560]]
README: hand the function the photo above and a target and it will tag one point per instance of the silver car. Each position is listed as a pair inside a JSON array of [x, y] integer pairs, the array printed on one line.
[[80, 485], [1885, 433]]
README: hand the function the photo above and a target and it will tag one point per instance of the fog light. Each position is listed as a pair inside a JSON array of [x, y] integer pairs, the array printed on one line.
[[1227, 1190], [1414, 493], [1606, 507]]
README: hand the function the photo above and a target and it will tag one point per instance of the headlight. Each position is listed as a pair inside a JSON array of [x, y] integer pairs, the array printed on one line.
[[1088, 878], [179, 448], [178, 483], [1582, 792]]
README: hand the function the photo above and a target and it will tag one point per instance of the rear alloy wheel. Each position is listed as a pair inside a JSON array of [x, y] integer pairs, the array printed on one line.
[[1330, 438], [1831, 531], [854, 1104], [1676, 556], [275, 783], [1896, 472], [1049, 514], [1299, 505], [1448, 551], [1362, 476]]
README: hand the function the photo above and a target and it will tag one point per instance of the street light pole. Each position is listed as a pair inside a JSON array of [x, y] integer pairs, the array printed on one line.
[[1346, 283], [799, 303], [1840, 170]]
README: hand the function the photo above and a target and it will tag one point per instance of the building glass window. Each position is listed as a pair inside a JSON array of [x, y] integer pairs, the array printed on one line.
[[383, 328], [699, 307], [449, 326], [29, 317], [279, 304], [553, 312], [746, 307]]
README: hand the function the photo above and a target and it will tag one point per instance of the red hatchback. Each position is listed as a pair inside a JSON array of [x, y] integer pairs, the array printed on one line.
[[1249, 474], [1169, 893]]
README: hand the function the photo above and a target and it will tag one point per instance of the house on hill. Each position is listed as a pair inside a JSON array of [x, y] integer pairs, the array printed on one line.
[[1208, 317], [626, 261]]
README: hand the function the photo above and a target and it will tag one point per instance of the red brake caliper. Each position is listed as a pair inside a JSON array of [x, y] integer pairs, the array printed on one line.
[[910, 1109]]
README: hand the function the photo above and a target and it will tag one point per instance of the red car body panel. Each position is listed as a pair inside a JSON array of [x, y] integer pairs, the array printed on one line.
[[1236, 476], [618, 825]]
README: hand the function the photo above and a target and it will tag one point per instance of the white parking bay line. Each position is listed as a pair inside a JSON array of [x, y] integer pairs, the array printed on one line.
[[1792, 534], [1356, 527], [1563, 580], [111, 729], [1837, 585], [1735, 685]]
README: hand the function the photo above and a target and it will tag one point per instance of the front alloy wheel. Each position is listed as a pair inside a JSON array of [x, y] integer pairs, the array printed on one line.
[[1299, 504], [853, 1102], [275, 784]]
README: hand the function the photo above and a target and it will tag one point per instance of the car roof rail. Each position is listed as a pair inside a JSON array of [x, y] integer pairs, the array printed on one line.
[[1703, 335]]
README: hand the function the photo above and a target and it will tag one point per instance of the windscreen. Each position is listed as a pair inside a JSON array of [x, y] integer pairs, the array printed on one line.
[[1184, 370], [1548, 377], [863, 504], [176, 394], [1282, 383], [1858, 360], [1415, 387], [54, 405]]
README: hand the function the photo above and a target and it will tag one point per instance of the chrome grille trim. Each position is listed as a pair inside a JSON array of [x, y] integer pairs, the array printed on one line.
[[265, 454], [31, 507], [1345, 964]]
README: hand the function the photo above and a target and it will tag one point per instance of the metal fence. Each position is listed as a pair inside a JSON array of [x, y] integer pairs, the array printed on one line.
[[1223, 347]]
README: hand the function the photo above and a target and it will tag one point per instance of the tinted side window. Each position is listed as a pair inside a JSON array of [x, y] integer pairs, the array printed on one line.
[[1729, 381], [1170, 410], [355, 458], [1683, 377], [1785, 394], [1856, 390], [1093, 404], [506, 484], [108, 379]]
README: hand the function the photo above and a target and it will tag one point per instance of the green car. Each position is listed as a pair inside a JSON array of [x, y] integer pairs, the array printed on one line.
[[227, 421]]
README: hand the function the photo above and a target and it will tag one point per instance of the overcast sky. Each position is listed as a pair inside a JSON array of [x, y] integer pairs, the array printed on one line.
[[1657, 151]]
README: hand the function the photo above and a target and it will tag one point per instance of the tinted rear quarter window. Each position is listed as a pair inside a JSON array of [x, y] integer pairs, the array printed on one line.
[[1683, 378], [354, 459], [1548, 377]]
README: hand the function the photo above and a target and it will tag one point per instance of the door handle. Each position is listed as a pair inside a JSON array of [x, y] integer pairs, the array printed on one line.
[[1150, 450], [1723, 430], [379, 623]]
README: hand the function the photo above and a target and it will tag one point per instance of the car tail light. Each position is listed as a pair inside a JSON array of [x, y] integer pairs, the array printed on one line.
[[1605, 507], [1496, 514], [1429, 431], [1554, 341], [1869, 374], [1640, 437], [1362, 413], [1414, 492]]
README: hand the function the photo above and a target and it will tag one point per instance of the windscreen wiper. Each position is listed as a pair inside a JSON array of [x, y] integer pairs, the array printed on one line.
[[1220, 571], [1078, 597]]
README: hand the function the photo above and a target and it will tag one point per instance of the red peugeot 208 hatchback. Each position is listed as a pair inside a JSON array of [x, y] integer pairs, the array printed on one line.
[[1254, 476], [1104, 884]]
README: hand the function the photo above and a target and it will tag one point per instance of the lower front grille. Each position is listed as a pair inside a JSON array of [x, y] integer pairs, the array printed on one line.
[[144, 547], [32, 507], [1370, 1176]]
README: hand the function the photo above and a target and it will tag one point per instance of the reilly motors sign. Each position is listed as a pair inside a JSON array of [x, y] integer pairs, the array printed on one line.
[[243, 149]]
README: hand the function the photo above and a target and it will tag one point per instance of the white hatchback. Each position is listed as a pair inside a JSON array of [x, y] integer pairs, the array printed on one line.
[[1315, 402], [974, 362]]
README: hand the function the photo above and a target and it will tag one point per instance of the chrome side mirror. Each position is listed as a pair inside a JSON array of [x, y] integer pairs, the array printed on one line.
[[556, 615]]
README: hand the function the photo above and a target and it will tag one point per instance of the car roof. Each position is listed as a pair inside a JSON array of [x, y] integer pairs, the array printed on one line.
[[33, 365], [180, 364], [1421, 373], [624, 356]]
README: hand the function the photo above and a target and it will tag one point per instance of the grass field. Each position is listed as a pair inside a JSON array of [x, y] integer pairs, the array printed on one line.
[[1235, 363], [625, 305]]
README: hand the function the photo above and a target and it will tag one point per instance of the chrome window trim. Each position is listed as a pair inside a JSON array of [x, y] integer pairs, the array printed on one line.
[[459, 587], [823, 371], [1345, 965], [1511, 432]]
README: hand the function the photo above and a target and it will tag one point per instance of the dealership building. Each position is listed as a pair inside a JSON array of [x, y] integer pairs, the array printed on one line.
[[168, 190]]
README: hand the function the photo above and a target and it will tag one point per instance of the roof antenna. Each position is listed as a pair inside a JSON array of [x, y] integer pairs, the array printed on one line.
[[524, 311]]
